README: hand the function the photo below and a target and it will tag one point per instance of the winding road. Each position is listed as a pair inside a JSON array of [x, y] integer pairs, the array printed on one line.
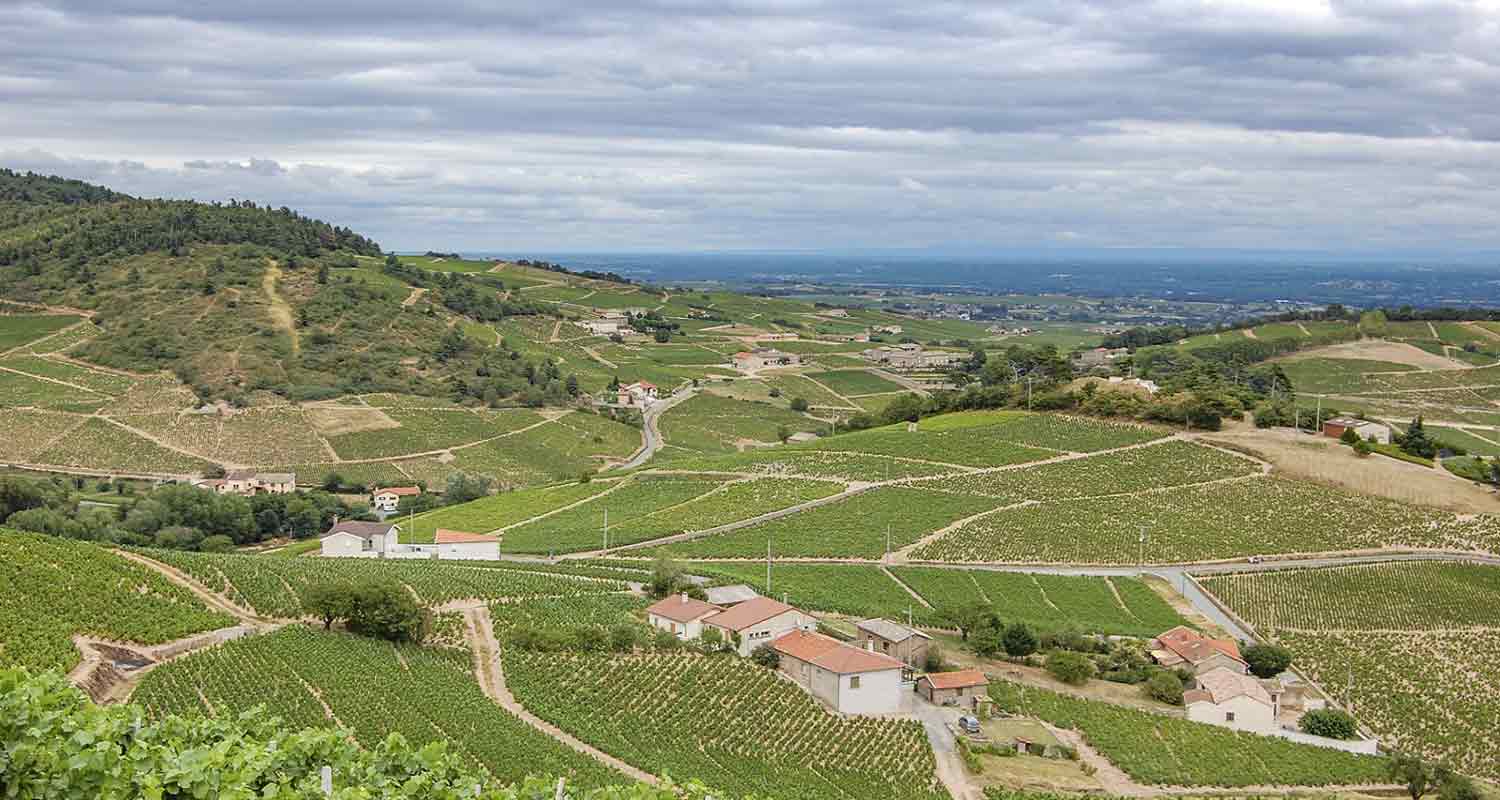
[[651, 439]]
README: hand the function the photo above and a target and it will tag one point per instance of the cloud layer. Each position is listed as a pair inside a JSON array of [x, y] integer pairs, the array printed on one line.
[[683, 124]]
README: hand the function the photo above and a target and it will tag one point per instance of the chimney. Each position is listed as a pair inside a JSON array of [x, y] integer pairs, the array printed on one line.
[[683, 595], [870, 645]]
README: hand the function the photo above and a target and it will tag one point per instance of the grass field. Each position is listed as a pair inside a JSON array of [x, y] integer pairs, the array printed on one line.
[[853, 382], [1333, 375], [20, 329], [1420, 641], [56, 588], [427, 694]]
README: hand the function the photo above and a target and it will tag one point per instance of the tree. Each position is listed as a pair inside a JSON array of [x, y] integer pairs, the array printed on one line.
[[1349, 436], [1267, 660], [463, 488], [988, 638], [666, 574], [662, 335], [1019, 640], [766, 656], [329, 601], [1417, 775], [385, 610], [712, 638], [966, 617], [799, 404], [1069, 667], [1164, 686], [1329, 722], [1458, 787], [783, 433], [1415, 442], [1363, 449]]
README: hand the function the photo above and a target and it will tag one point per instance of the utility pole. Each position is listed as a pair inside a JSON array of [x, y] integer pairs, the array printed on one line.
[[606, 529], [1318, 423], [887, 542]]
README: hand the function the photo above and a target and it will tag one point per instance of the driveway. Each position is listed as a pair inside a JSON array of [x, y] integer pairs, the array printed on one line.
[[950, 767]]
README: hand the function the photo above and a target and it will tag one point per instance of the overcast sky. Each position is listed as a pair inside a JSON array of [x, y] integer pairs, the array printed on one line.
[[678, 124]]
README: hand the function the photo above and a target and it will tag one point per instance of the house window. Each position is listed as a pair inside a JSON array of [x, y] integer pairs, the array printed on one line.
[[854, 682], [1229, 716], [886, 646]]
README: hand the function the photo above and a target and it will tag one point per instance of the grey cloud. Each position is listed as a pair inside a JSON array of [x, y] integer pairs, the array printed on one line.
[[793, 123]]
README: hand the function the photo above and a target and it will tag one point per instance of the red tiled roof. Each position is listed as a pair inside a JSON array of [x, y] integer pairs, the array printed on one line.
[[958, 679], [828, 653], [1194, 647], [682, 609], [445, 536], [748, 613], [1222, 685]]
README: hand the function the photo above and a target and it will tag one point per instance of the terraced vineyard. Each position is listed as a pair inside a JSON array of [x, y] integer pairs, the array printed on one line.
[[1410, 596], [311, 678], [853, 527], [1198, 523], [796, 460], [730, 723], [1119, 606], [499, 510], [1172, 463], [600, 613], [275, 587], [1420, 641], [17, 330], [1171, 751], [55, 588], [582, 527], [854, 589]]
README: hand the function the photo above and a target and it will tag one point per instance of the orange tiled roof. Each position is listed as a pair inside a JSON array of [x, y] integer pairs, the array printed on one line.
[[445, 536], [679, 608], [828, 653], [748, 613], [957, 679]]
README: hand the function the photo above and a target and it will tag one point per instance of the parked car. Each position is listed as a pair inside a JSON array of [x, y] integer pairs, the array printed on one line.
[[968, 724]]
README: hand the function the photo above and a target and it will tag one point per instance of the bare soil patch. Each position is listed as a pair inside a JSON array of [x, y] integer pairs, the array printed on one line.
[[335, 420], [1327, 461], [1380, 350]]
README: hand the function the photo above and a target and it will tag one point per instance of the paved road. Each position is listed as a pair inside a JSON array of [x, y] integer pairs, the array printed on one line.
[[649, 430]]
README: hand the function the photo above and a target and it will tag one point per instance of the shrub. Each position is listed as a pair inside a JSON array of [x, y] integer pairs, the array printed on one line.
[[1164, 686], [766, 656], [386, 610], [1071, 668], [799, 404], [1267, 660], [218, 543], [1330, 722]]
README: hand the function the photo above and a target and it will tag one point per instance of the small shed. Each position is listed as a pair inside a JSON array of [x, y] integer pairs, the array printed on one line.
[[1363, 428], [952, 688]]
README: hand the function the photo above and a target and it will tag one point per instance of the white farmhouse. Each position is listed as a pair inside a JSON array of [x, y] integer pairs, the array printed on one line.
[[601, 327], [465, 546], [389, 498], [680, 615], [640, 393], [755, 622], [850, 680], [360, 540], [1232, 699]]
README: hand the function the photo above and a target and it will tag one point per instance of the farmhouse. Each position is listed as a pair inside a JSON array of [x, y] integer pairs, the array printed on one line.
[[909, 356], [726, 596], [359, 540], [1100, 356], [249, 482], [601, 327], [894, 330], [681, 615], [907, 645], [639, 393], [849, 679], [753, 623], [839, 313], [464, 546], [762, 357], [1232, 699], [1185, 647], [1364, 429], [389, 498], [961, 688]]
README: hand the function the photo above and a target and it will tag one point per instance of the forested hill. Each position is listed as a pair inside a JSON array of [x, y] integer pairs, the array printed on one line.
[[237, 298]]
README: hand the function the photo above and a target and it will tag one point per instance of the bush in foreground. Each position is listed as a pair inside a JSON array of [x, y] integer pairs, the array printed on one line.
[[57, 745]]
